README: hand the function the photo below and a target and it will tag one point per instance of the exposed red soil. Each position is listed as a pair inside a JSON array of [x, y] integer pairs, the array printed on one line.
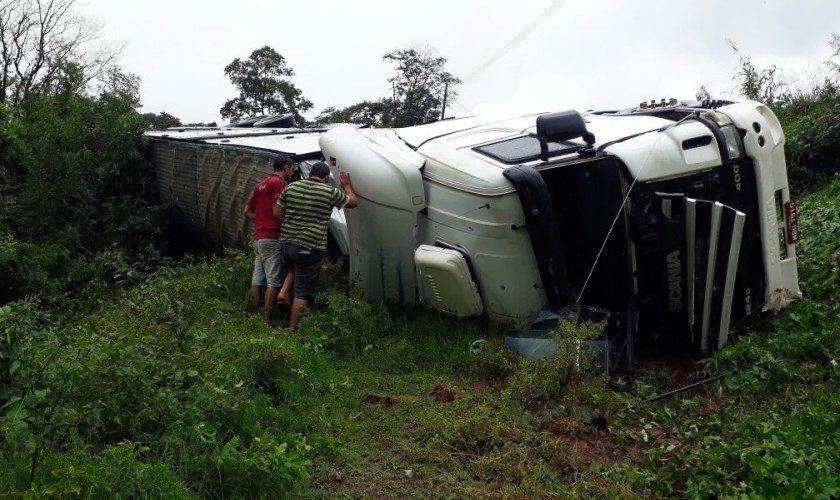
[[661, 435], [591, 444], [681, 370], [707, 407], [442, 395], [373, 399]]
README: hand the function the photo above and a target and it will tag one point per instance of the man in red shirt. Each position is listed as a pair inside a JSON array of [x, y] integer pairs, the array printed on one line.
[[268, 264]]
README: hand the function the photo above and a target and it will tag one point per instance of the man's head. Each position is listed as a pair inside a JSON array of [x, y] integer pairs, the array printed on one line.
[[320, 172], [283, 165]]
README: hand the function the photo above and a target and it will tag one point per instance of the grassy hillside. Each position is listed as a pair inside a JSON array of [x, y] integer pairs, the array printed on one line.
[[173, 390]]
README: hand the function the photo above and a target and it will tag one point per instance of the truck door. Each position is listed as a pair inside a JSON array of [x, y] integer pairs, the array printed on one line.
[[386, 176]]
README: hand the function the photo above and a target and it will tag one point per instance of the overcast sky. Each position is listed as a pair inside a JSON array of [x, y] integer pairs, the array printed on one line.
[[587, 54]]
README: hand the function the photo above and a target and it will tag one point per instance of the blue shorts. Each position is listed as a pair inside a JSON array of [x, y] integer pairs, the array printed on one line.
[[268, 264]]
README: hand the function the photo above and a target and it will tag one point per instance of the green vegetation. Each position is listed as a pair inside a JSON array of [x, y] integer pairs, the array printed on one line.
[[79, 209], [810, 115], [419, 87], [172, 390]]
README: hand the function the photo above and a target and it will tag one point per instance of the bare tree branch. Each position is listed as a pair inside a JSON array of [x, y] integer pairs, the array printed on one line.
[[39, 40]]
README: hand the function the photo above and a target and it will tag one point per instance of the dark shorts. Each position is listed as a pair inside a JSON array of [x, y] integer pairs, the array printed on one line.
[[306, 264]]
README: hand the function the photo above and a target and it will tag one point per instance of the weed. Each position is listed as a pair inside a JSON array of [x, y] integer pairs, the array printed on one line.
[[346, 325], [477, 431], [491, 361], [548, 378]]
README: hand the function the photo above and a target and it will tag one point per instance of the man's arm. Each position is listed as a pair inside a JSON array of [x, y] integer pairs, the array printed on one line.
[[279, 212], [248, 210], [347, 186]]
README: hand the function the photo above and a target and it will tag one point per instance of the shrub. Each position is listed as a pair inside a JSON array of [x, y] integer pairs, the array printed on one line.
[[345, 324], [490, 361], [813, 135], [547, 379]]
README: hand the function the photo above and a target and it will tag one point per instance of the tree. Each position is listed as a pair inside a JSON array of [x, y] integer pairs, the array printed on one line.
[[263, 87], [42, 42], [160, 121], [418, 86], [371, 113]]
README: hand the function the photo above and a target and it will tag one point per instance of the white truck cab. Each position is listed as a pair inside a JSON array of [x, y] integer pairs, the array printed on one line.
[[675, 211]]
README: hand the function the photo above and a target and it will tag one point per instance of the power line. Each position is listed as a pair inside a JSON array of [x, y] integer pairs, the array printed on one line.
[[504, 50], [455, 102], [516, 40]]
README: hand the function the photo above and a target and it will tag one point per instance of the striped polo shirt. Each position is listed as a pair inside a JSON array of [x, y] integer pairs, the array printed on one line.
[[308, 206]]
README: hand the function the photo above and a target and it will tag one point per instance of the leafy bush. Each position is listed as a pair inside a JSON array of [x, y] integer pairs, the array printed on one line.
[[547, 379], [14, 160], [263, 467], [810, 116], [175, 365], [119, 471], [73, 184], [27, 269], [813, 137], [345, 324]]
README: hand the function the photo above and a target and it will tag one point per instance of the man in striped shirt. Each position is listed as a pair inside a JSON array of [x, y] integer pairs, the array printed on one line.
[[303, 212]]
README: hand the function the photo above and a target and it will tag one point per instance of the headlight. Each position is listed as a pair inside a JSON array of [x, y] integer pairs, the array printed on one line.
[[734, 146]]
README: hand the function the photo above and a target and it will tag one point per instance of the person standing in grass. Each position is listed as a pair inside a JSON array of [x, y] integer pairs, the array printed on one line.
[[303, 212], [268, 275]]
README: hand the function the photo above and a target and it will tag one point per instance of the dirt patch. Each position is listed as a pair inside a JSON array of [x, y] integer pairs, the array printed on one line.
[[707, 407], [601, 445], [477, 387], [661, 435], [442, 395], [679, 370], [537, 408], [591, 444], [373, 399]]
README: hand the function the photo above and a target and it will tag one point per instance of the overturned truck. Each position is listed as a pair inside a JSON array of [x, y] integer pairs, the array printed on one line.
[[673, 219]]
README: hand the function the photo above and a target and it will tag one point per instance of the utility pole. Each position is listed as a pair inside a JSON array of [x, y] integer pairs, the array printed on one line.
[[445, 93], [393, 104]]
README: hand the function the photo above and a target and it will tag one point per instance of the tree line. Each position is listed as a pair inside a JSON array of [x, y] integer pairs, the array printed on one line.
[[78, 204], [418, 88]]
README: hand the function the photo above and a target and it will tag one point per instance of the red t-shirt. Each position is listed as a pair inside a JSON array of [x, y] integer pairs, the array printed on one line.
[[262, 201]]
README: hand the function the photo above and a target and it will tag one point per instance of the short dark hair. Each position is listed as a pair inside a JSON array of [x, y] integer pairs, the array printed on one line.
[[319, 170], [281, 161]]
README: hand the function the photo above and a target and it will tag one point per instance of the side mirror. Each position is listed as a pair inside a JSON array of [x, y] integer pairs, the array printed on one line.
[[561, 126]]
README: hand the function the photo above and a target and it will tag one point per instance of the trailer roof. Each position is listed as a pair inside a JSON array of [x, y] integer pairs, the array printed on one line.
[[293, 141]]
